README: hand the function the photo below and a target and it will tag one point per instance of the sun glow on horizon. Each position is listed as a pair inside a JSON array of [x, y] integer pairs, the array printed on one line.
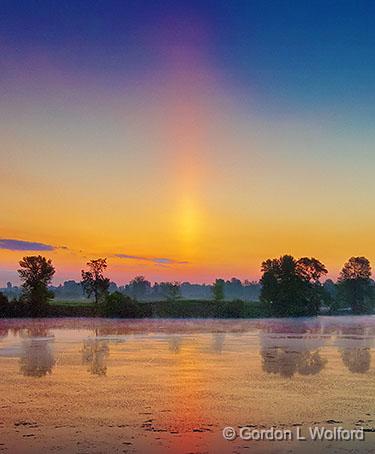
[[186, 144]]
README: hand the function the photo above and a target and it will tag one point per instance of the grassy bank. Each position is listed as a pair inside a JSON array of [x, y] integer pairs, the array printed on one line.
[[166, 309], [206, 309], [125, 307], [71, 302]]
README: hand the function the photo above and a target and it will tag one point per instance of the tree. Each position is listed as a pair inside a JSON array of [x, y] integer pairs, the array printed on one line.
[[93, 280], [171, 290], [36, 274], [4, 305], [355, 286], [292, 287], [356, 268], [218, 290], [233, 288], [330, 290], [119, 305], [311, 269], [139, 287]]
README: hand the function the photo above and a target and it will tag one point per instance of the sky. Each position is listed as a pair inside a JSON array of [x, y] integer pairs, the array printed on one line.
[[186, 140]]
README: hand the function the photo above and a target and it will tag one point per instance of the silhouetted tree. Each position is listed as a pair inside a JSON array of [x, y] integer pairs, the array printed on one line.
[[355, 286], [218, 290], [292, 287], [118, 305], [4, 306], [36, 274], [330, 289], [311, 269], [139, 287], [69, 289], [171, 290], [233, 288], [251, 290], [93, 280]]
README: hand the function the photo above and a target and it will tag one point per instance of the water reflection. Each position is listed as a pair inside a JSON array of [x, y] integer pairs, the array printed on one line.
[[354, 345], [285, 347], [357, 360], [37, 358], [218, 340], [95, 353], [177, 383], [288, 362], [287, 351], [174, 344]]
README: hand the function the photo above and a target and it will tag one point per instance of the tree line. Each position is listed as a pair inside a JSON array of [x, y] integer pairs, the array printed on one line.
[[293, 287], [141, 289], [290, 287]]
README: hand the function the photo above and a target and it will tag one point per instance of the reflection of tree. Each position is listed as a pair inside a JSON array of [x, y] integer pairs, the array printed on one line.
[[354, 343], [174, 344], [287, 362], [288, 349], [357, 360], [218, 342], [95, 353], [311, 363], [279, 361], [37, 357], [35, 331]]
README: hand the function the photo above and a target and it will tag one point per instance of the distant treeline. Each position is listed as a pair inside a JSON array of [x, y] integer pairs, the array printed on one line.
[[289, 287], [141, 289]]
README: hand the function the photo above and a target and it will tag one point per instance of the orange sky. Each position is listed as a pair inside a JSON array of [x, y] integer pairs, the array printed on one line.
[[178, 168]]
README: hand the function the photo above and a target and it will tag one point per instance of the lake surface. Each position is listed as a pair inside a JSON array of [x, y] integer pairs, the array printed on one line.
[[156, 386]]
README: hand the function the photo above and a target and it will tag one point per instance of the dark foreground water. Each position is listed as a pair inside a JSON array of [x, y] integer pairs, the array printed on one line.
[[156, 386]]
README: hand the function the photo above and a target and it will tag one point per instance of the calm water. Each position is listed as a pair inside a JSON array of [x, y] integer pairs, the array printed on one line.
[[92, 385]]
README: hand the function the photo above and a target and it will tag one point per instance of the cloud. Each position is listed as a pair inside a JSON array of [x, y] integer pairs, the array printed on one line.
[[19, 245], [158, 260]]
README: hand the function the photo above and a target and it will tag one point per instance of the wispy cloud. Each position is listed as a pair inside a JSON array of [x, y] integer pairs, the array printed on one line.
[[19, 245], [158, 260]]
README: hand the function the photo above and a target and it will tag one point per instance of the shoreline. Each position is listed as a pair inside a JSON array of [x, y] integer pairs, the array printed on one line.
[[181, 309]]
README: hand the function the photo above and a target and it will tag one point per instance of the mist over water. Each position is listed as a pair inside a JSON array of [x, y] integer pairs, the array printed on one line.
[[158, 385]]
